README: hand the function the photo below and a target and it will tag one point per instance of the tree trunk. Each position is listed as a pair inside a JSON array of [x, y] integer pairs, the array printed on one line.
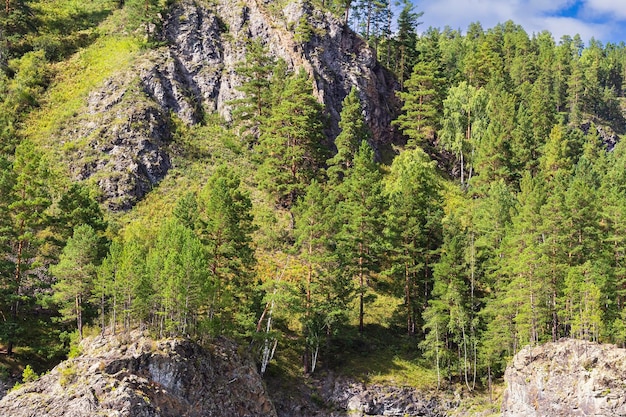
[[79, 316], [361, 289], [407, 295]]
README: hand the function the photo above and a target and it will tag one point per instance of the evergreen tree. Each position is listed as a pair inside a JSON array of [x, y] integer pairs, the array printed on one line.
[[76, 273], [28, 200], [250, 111], [354, 130], [132, 286], [359, 241], [290, 142], [405, 42], [413, 229], [448, 318], [225, 229], [107, 285], [327, 292], [493, 154], [177, 265], [187, 211], [421, 110]]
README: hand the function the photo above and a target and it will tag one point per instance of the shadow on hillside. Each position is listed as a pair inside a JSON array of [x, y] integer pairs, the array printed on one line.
[[64, 34]]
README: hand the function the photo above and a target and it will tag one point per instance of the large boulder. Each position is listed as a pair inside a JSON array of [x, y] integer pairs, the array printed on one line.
[[566, 378]]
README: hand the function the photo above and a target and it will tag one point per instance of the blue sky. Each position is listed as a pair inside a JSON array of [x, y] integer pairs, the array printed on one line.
[[604, 20]]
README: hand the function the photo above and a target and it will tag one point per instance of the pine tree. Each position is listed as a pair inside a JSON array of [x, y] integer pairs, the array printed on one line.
[[186, 210], [177, 266], [361, 211], [413, 229], [290, 142], [106, 286], [76, 273], [421, 110], [327, 291], [133, 288], [28, 200], [225, 229], [250, 111], [447, 318], [493, 154], [405, 42], [354, 130]]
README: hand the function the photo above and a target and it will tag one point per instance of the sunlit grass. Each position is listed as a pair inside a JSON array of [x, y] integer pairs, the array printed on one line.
[[74, 80]]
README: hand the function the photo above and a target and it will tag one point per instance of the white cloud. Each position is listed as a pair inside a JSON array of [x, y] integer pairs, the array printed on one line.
[[610, 8], [534, 15]]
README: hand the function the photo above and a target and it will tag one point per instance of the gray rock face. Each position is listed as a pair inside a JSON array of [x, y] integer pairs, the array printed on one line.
[[198, 68], [566, 378], [375, 400], [120, 143], [145, 378]]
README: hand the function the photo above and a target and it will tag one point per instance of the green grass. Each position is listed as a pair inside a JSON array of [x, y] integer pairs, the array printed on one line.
[[74, 80], [387, 367]]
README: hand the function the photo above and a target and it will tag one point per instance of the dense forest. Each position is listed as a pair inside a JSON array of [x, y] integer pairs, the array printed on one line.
[[498, 223]]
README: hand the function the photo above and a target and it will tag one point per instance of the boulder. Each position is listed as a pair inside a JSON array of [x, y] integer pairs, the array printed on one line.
[[566, 378]]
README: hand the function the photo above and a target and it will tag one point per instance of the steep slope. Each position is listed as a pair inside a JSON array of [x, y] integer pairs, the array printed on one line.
[[120, 139], [566, 378], [136, 376]]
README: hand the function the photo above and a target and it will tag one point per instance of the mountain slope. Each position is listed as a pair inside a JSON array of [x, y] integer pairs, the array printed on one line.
[[118, 138]]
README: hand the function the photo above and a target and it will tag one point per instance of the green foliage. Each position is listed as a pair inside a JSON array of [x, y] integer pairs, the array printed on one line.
[[354, 131], [256, 228], [421, 110], [413, 229], [145, 15], [290, 151], [75, 274], [29, 375], [360, 209], [250, 111], [226, 230], [464, 124]]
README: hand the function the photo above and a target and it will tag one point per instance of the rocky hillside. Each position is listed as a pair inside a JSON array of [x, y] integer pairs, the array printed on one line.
[[136, 376], [567, 378], [140, 377], [119, 139]]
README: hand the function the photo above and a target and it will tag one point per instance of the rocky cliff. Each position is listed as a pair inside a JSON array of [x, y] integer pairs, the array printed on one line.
[[120, 140], [140, 377], [566, 378]]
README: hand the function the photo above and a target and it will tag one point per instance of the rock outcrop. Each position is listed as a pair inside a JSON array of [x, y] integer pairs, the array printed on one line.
[[338, 396], [120, 141], [142, 377], [206, 44], [566, 378]]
